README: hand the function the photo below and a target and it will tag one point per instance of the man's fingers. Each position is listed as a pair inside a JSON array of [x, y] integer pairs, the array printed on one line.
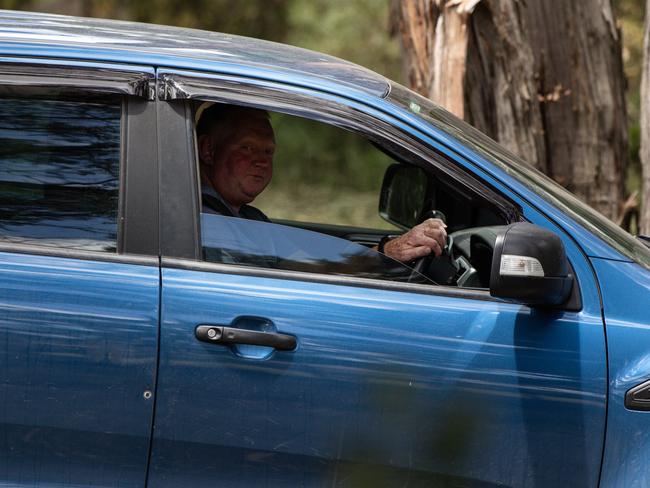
[[416, 252], [436, 243], [422, 249], [436, 248], [439, 238], [435, 229], [437, 222], [434, 224], [426, 238]]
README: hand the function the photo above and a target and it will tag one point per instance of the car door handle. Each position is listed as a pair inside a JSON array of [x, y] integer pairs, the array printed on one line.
[[217, 334]]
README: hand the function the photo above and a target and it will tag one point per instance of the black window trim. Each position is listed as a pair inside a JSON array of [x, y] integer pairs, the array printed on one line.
[[179, 175], [130, 80], [179, 182], [137, 219]]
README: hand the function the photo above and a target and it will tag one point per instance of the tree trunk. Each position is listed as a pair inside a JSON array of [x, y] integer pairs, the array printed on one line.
[[644, 220], [544, 78], [434, 40], [578, 58], [501, 83]]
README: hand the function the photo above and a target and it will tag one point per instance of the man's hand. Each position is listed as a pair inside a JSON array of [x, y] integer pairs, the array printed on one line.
[[423, 239]]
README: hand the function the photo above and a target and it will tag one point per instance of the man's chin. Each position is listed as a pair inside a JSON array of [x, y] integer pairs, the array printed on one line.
[[253, 192], [250, 196]]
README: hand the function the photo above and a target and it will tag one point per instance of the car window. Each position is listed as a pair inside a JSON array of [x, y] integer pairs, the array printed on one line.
[[59, 171], [311, 201], [324, 174]]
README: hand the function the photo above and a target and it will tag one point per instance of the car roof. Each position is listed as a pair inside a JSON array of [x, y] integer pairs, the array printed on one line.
[[37, 34]]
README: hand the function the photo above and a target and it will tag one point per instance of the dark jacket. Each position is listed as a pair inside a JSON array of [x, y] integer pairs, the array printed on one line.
[[245, 211]]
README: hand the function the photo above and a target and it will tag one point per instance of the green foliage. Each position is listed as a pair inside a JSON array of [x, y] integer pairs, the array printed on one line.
[[322, 173], [357, 31], [265, 19], [630, 17], [332, 156], [15, 4]]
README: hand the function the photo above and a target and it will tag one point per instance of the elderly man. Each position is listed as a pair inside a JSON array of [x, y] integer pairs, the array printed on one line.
[[236, 146]]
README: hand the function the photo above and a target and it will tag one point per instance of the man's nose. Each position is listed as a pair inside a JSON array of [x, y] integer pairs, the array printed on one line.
[[262, 158]]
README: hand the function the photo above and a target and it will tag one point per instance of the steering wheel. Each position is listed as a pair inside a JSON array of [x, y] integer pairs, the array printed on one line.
[[445, 268]]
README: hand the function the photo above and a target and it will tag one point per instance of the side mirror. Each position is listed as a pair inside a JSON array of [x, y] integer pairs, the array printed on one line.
[[402, 195], [529, 265]]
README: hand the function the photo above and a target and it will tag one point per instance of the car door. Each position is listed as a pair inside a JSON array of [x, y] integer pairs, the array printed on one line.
[[79, 275], [389, 383]]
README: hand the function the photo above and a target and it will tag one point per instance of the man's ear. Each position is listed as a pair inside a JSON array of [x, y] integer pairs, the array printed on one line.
[[206, 151]]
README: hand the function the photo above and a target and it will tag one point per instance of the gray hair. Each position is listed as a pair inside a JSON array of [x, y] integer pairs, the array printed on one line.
[[221, 120]]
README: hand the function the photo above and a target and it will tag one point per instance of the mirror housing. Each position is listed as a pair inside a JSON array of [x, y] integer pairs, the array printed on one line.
[[403, 194], [529, 265]]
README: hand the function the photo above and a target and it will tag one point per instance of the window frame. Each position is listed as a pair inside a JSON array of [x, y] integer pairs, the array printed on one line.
[[137, 239], [180, 220]]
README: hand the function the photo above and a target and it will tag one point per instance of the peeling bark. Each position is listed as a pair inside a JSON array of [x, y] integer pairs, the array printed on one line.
[[450, 54], [434, 36], [415, 24], [544, 78], [501, 83]]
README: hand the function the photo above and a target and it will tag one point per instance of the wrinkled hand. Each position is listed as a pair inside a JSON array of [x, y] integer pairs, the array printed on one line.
[[423, 239]]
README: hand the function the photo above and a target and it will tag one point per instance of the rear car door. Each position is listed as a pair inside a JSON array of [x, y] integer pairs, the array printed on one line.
[[390, 384], [79, 275]]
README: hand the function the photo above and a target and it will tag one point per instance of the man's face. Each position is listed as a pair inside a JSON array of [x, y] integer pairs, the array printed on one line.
[[243, 164]]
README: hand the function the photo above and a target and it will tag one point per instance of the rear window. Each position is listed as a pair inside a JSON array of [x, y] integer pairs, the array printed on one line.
[[59, 171]]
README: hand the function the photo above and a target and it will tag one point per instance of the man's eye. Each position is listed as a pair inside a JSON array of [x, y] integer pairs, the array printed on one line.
[[246, 147]]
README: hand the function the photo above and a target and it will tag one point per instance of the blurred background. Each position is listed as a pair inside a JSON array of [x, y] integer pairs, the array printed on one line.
[[361, 31]]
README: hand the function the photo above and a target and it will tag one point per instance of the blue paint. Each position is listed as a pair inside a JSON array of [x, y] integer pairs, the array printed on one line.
[[377, 378], [77, 351], [625, 288]]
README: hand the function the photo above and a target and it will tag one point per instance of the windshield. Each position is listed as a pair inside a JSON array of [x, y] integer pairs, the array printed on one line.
[[472, 138]]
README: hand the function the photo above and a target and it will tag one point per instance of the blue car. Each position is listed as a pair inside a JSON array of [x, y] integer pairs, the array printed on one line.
[[146, 342]]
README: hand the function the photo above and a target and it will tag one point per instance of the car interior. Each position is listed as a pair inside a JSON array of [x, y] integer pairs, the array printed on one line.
[[407, 191]]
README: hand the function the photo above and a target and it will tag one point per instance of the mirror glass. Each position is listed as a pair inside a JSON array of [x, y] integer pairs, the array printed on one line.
[[402, 195]]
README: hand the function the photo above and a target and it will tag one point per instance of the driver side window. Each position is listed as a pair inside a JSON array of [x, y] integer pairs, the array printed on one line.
[[289, 193]]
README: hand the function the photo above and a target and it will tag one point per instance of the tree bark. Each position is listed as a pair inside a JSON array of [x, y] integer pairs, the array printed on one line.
[[501, 83], [434, 37], [414, 22], [544, 78], [582, 87], [644, 218]]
